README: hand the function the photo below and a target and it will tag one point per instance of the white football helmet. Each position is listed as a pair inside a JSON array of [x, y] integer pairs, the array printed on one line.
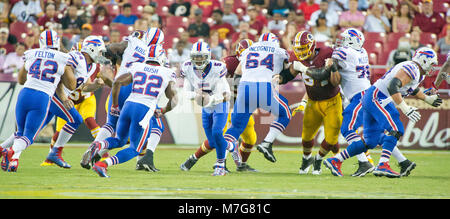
[[94, 47], [153, 36], [49, 39], [200, 54], [269, 37], [156, 53], [426, 58], [352, 38]]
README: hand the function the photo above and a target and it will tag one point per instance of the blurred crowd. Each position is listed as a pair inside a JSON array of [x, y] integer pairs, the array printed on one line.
[[223, 23]]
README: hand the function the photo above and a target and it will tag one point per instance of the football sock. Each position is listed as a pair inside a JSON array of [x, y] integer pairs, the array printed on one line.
[[362, 157], [153, 141], [307, 147], [64, 136], [398, 155], [20, 144], [245, 150], [105, 132], [93, 126], [122, 156], [273, 133], [324, 149], [385, 155], [202, 150]]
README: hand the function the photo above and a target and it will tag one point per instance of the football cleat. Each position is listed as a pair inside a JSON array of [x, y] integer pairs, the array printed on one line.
[[317, 167], [146, 162], [100, 169], [406, 167], [383, 169], [334, 165], [266, 149], [6, 158], [236, 155], [306, 165], [55, 157], [244, 167], [47, 163], [88, 157], [363, 169], [219, 171], [13, 165], [188, 164]]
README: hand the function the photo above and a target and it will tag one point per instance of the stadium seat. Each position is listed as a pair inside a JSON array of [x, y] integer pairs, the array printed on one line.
[[113, 10], [176, 22], [376, 73], [137, 9], [124, 30], [373, 47], [428, 38], [17, 28], [375, 37], [441, 59], [440, 6], [162, 3], [373, 58], [100, 30]]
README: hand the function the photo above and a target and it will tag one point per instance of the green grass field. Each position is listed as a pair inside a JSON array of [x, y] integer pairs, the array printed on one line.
[[280, 180]]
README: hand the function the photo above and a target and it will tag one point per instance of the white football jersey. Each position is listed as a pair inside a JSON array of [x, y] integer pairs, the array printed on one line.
[[45, 68], [211, 80], [261, 61], [80, 69], [135, 52], [149, 82], [355, 74], [411, 69]]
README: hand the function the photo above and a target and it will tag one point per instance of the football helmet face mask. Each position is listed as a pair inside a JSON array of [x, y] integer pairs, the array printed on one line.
[[153, 36], [49, 39], [426, 58], [94, 47], [352, 38], [243, 45], [304, 45], [200, 55]]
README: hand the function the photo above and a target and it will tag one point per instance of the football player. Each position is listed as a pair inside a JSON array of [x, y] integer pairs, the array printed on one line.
[[131, 50], [257, 90], [322, 101], [205, 81], [45, 70], [84, 102], [353, 67], [149, 80], [249, 134], [380, 114]]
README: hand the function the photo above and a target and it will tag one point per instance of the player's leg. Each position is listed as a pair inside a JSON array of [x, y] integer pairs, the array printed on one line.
[[129, 125], [207, 146], [146, 158], [249, 138], [277, 105], [31, 115], [219, 117], [312, 120], [352, 120], [73, 119], [88, 109], [391, 121], [108, 129], [59, 125]]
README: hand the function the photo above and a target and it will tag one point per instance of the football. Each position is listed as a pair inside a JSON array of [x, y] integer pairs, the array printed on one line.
[[202, 100]]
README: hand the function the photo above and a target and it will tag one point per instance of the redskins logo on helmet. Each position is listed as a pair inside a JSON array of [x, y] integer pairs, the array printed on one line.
[[242, 45], [304, 45], [138, 34]]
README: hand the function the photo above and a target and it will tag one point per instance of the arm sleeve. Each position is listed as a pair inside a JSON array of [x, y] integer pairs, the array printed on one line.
[[188, 89]]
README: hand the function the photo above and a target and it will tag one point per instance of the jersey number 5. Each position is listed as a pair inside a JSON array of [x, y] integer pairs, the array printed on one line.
[[151, 84]]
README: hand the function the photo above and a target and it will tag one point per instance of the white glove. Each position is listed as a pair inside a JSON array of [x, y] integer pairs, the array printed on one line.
[[411, 112], [433, 100], [298, 66]]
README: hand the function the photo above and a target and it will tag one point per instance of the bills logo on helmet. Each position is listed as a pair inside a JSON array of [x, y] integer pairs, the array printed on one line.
[[94, 42], [353, 33], [428, 54]]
